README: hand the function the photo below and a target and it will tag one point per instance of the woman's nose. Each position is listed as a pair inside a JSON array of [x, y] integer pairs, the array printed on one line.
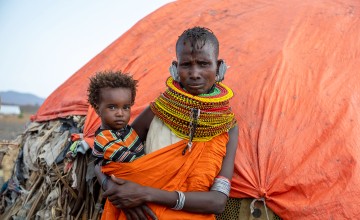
[[194, 72]]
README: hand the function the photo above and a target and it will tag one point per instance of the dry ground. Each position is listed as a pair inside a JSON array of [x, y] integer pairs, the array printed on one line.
[[11, 125]]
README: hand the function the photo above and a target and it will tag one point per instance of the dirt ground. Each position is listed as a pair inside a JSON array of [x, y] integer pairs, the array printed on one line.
[[11, 125]]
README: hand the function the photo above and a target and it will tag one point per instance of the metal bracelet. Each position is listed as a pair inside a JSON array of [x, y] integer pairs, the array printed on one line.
[[222, 185], [179, 202]]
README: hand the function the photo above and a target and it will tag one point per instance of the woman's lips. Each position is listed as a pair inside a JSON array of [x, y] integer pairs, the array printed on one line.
[[195, 86]]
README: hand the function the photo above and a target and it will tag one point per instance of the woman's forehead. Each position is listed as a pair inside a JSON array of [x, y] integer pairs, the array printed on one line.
[[198, 49]]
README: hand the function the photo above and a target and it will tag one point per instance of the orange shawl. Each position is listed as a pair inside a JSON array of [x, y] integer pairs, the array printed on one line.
[[168, 169]]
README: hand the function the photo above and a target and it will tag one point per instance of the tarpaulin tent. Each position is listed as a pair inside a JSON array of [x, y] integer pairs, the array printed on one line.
[[294, 69]]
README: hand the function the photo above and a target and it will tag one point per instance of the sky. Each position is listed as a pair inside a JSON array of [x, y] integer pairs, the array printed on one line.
[[42, 42]]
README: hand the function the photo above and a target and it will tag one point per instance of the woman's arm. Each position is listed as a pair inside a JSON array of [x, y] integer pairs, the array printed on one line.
[[206, 202], [227, 167], [142, 123], [135, 212], [125, 194]]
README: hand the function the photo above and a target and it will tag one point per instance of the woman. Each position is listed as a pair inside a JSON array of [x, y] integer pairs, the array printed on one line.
[[191, 139]]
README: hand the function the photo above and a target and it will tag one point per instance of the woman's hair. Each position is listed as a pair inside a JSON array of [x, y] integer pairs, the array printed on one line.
[[109, 79], [198, 36]]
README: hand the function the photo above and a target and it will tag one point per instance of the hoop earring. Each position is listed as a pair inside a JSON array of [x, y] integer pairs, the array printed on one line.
[[173, 72], [221, 72]]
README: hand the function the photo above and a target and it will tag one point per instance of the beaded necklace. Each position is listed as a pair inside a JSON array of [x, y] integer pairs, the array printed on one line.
[[213, 115]]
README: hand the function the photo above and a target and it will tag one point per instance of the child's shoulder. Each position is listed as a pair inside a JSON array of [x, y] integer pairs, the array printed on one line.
[[104, 132]]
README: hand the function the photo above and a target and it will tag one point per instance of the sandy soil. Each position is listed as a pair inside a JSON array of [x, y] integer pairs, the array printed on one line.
[[12, 126]]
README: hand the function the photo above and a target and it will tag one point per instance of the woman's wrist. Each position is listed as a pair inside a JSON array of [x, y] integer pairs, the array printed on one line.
[[147, 194], [161, 197]]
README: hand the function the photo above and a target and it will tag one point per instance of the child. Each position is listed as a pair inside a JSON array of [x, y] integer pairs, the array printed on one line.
[[112, 94]]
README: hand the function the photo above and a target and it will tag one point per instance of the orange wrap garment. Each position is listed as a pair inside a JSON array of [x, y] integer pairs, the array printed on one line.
[[168, 169]]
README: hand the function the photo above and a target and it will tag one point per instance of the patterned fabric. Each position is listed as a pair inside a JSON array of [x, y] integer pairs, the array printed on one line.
[[231, 210], [239, 209], [119, 146], [175, 108]]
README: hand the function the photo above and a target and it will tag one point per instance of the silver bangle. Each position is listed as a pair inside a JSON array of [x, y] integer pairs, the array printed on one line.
[[180, 201], [222, 185]]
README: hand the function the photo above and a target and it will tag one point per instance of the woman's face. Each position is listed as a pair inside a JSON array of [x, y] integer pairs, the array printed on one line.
[[197, 68]]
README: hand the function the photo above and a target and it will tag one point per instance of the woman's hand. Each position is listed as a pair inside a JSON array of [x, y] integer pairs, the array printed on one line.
[[114, 188], [124, 194]]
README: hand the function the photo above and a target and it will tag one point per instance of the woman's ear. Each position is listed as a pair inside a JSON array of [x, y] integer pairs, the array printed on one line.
[[222, 67], [173, 71], [218, 65]]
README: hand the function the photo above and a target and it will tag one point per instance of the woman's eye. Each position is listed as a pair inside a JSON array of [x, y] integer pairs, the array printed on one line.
[[185, 64]]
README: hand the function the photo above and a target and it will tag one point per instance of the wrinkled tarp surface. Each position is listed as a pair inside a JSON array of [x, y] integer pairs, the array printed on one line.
[[294, 68]]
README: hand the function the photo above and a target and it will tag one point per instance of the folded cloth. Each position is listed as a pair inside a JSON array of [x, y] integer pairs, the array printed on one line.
[[168, 169]]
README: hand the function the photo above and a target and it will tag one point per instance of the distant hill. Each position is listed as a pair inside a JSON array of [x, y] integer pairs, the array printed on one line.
[[17, 98]]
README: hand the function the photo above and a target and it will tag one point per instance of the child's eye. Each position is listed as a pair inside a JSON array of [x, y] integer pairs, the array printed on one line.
[[127, 107], [112, 107]]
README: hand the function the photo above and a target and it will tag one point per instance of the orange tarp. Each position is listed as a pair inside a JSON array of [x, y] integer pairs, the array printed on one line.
[[294, 69]]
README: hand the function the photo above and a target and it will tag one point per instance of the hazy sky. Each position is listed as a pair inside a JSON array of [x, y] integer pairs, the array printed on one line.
[[42, 42]]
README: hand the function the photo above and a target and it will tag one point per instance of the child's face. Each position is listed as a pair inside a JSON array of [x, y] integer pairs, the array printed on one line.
[[114, 107]]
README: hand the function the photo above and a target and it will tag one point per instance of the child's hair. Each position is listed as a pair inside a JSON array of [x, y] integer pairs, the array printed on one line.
[[109, 79]]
